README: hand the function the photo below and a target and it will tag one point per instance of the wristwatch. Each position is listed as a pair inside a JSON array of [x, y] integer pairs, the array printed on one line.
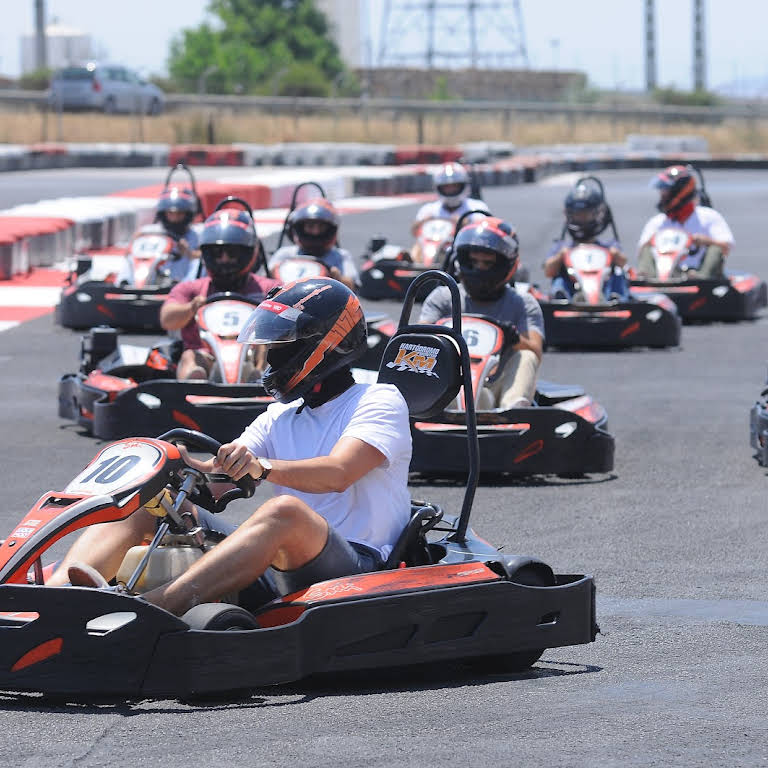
[[266, 468]]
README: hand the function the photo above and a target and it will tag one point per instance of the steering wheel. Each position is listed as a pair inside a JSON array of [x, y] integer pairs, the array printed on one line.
[[245, 486], [234, 296]]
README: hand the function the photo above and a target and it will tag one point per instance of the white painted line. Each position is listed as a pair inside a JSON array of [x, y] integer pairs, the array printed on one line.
[[18, 296]]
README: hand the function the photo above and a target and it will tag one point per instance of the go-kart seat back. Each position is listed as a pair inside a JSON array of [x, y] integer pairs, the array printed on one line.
[[425, 367]]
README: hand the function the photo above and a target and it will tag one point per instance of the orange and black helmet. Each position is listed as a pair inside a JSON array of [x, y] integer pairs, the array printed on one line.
[[677, 188], [314, 327]]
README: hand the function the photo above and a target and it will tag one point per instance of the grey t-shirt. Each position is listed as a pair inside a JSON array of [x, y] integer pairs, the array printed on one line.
[[522, 310]]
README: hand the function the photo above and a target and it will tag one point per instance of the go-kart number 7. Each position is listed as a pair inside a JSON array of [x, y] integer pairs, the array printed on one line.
[[112, 469]]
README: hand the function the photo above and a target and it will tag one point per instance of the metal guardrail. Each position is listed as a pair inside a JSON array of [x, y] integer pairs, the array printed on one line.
[[304, 105]]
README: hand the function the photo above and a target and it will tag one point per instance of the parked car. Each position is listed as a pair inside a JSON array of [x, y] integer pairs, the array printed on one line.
[[106, 87]]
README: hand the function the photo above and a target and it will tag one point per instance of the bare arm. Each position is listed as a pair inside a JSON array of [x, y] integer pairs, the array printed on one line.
[[174, 315], [554, 264], [531, 340], [705, 241], [349, 460]]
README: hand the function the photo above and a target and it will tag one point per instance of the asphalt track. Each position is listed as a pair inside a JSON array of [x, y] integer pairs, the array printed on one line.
[[676, 538]]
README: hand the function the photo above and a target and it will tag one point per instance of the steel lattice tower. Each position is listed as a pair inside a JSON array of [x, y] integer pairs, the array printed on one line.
[[450, 34]]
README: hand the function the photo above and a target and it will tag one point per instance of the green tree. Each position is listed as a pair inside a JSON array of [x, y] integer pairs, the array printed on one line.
[[258, 46]]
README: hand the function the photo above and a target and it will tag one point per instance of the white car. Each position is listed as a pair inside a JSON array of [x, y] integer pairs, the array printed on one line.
[[106, 87]]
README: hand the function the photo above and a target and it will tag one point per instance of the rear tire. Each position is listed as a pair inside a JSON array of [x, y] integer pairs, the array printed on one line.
[[220, 617], [519, 661]]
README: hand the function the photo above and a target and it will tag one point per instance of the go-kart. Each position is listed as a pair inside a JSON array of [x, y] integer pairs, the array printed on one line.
[[128, 297], [124, 389], [588, 319], [737, 296], [443, 594], [758, 428], [564, 432]]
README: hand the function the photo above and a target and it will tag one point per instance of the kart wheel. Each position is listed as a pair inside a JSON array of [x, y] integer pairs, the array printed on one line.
[[519, 661], [219, 617]]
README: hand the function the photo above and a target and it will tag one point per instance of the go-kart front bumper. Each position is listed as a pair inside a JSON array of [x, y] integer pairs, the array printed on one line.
[[99, 303]]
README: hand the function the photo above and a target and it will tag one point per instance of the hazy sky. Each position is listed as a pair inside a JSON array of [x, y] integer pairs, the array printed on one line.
[[602, 37]]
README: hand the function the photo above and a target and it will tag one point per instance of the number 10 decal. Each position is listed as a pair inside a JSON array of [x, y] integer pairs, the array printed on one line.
[[112, 469]]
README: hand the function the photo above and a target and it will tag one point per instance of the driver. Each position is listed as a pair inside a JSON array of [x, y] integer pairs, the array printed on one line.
[[487, 256], [176, 208], [452, 184], [679, 206], [315, 225], [230, 249], [587, 216], [336, 452]]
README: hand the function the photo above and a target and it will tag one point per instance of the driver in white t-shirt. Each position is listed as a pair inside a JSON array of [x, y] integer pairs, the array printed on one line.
[[336, 452], [678, 203]]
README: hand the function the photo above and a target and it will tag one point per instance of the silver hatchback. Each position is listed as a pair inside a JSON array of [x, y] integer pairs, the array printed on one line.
[[106, 87]]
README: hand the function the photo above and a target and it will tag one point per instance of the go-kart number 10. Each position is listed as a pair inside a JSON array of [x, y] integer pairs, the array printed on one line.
[[116, 467]]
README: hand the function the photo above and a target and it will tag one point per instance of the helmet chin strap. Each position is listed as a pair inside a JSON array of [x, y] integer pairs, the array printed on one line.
[[325, 390]]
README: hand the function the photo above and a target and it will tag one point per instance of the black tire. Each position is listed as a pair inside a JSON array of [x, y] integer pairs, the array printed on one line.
[[519, 661], [219, 617]]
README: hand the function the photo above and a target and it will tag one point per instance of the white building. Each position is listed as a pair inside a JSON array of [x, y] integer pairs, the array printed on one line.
[[345, 20], [66, 46]]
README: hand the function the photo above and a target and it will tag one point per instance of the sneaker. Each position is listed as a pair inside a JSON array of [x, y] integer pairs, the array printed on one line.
[[82, 575], [560, 295]]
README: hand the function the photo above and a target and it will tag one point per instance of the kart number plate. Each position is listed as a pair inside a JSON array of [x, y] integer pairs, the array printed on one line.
[[297, 269], [120, 465], [482, 338], [226, 318], [437, 230], [671, 240], [150, 245], [588, 258]]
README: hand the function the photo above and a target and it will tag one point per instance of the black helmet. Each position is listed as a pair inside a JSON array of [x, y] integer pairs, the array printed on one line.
[[319, 210], [176, 199], [490, 235], [586, 212], [233, 231], [314, 327], [677, 186]]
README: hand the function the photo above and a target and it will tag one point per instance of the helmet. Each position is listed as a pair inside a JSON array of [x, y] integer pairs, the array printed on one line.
[[181, 199], [314, 327], [233, 231], [316, 210], [677, 186], [494, 236], [452, 184], [586, 213]]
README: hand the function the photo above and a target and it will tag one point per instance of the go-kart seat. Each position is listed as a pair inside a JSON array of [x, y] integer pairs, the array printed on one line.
[[426, 368]]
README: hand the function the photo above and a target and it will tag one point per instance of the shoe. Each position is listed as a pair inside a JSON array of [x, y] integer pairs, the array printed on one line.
[[82, 575], [560, 295], [613, 296]]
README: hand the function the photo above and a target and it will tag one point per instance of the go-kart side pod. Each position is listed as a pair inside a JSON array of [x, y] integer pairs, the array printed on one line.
[[97, 303], [737, 297], [648, 323], [390, 278]]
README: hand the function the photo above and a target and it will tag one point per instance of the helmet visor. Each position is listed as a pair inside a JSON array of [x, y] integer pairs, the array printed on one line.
[[271, 322]]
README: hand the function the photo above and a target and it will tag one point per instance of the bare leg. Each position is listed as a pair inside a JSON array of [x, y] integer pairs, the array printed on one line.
[[103, 546], [194, 364], [283, 532]]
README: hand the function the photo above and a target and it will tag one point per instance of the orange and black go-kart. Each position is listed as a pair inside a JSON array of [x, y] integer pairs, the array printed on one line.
[[588, 319], [758, 428], [736, 296], [124, 389], [443, 594], [126, 296], [564, 432]]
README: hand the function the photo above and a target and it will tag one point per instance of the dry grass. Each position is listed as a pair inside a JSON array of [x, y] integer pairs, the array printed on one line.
[[31, 126]]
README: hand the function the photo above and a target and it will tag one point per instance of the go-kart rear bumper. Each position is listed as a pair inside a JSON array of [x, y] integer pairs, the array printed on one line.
[[520, 441], [739, 297], [98, 303], [156, 654], [147, 409], [625, 324], [390, 278]]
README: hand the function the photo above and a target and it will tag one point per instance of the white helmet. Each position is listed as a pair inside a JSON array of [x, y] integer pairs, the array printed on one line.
[[452, 184]]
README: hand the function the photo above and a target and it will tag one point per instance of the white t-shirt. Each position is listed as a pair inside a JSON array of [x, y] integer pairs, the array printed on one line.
[[703, 221], [437, 210], [375, 509]]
